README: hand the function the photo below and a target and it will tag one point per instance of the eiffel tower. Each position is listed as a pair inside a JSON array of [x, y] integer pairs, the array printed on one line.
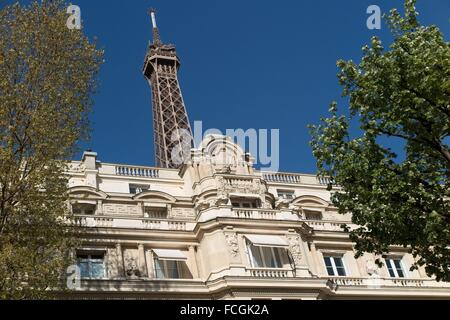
[[172, 131]]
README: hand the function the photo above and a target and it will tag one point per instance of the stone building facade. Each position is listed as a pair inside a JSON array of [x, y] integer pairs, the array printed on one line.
[[218, 229]]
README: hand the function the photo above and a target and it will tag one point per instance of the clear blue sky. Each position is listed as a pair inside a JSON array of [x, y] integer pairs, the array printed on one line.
[[245, 64]]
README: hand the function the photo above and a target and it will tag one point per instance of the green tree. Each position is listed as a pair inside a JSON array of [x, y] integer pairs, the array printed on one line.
[[402, 94], [48, 74]]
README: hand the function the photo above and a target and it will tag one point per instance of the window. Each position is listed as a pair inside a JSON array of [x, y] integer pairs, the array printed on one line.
[[84, 209], [245, 204], [285, 194], [168, 269], [91, 265], [266, 257], [136, 189], [335, 266], [155, 213], [395, 268], [313, 215]]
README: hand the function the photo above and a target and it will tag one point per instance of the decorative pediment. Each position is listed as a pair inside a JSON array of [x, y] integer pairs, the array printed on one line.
[[85, 192], [310, 201], [223, 153], [155, 196]]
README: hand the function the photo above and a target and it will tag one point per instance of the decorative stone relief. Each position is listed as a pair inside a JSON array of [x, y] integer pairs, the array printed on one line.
[[233, 244], [76, 167], [112, 263], [297, 210], [372, 268], [226, 169], [131, 264], [222, 200], [295, 249], [184, 213], [120, 209], [282, 204], [202, 205], [227, 185]]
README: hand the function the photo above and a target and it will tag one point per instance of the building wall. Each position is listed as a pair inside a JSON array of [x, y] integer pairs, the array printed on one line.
[[193, 211]]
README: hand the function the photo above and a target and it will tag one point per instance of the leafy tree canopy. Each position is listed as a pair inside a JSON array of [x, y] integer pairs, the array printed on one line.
[[402, 94], [47, 78]]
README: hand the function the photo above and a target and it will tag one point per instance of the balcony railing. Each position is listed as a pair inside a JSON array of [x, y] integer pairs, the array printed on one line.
[[131, 171], [387, 282], [282, 178], [325, 226], [254, 214], [133, 223], [269, 273]]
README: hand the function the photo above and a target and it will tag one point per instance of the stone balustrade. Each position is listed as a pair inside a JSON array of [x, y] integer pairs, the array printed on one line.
[[144, 172], [269, 273], [282, 178], [133, 223], [254, 214], [387, 282], [325, 225]]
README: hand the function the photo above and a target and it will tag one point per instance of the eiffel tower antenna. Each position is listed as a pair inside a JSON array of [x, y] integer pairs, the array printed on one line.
[[171, 129]]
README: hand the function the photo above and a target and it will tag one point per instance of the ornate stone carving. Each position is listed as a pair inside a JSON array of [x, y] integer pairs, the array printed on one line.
[[121, 209], [182, 213], [372, 268], [132, 269], [222, 200], [296, 210], [226, 169], [295, 249], [282, 204], [77, 167], [233, 244], [202, 205], [226, 185]]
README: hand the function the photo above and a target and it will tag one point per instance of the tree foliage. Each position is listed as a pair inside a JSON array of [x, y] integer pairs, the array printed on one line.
[[48, 74], [401, 94]]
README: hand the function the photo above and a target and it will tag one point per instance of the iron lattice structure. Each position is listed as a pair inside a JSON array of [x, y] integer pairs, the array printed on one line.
[[170, 119]]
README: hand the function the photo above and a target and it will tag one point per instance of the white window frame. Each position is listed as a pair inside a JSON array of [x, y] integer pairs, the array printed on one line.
[[390, 261], [263, 259], [333, 264], [89, 261]]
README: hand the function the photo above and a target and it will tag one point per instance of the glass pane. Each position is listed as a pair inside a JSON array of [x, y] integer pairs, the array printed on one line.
[[389, 267], [159, 269], [330, 271], [84, 269], [398, 266], [341, 271], [172, 270], [256, 257], [328, 262], [278, 254], [97, 270], [338, 262], [269, 259]]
